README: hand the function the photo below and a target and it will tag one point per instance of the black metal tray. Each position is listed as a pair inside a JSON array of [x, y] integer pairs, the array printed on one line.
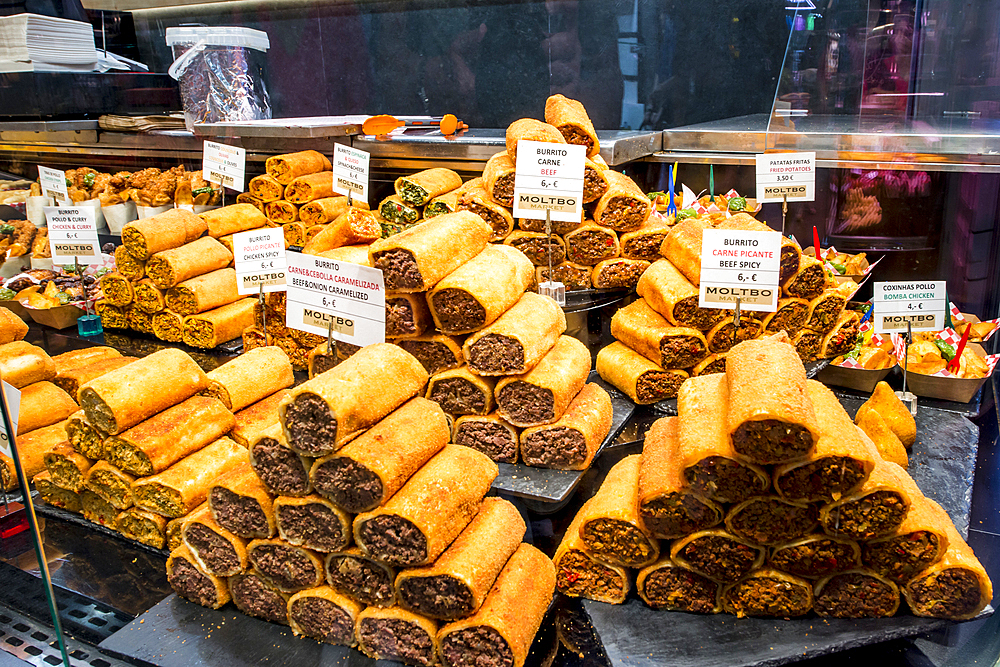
[[588, 299], [44, 509]]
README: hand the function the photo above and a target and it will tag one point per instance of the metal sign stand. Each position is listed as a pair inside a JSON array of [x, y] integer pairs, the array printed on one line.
[[550, 287], [910, 400]]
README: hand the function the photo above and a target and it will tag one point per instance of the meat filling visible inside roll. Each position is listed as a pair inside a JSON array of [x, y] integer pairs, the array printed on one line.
[[458, 396], [399, 268], [574, 278], [790, 318], [286, 566], [399, 320], [574, 135], [396, 639], [594, 186], [537, 250], [814, 559], [527, 403], [825, 314], [394, 540], [490, 438], [439, 596], [581, 576], [496, 221], [904, 557], [618, 539], [647, 247], [717, 366], [590, 247], [724, 339], [676, 514], [310, 423], [808, 345], [503, 189], [321, 619], [457, 310], [856, 595], [870, 516], [558, 447], [240, 515], [348, 484], [789, 263], [689, 314], [620, 274], [188, 582], [681, 351], [808, 283], [653, 386], [479, 646], [844, 340], [724, 480], [215, 551], [624, 213], [280, 468], [495, 353], [771, 440], [434, 356], [323, 362], [825, 479], [314, 525], [950, 593], [770, 521], [362, 580], [718, 557], [767, 596], [678, 589], [255, 598]]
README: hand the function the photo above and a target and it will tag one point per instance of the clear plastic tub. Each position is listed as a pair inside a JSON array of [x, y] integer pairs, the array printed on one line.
[[221, 73]]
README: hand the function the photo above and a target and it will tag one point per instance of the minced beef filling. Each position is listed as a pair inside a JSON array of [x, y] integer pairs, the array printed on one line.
[[396, 639], [814, 559], [527, 403], [724, 480], [364, 581], [769, 521], [947, 594], [399, 269], [574, 136], [346, 349], [314, 525], [394, 540], [681, 351], [808, 345], [624, 213], [771, 440], [399, 318], [323, 362], [717, 366], [718, 557], [825, 479], [435, 357], [279, 468], [349, 484], [825, 314], [844, 340], [621, 274], [240, 515], [438, 596], [677, 514], [678, 589], [287, 567], [902, 558], [594, 186], [590, 247], [855, 595], [556, 447], [458, 396], [688, 314], [808, 284], [321, 619], [494, 353], [763, 596], [479, 646], [457, 310], [618, 539], [572, 277], [579, 575], [874, 515], [252, 596], [789, 264], [537, 250], [311, 426], [189, 583], [789, 319], [492, 218], [214, 550], [655, 386], [503, 190], [491, 439], [645, 247]]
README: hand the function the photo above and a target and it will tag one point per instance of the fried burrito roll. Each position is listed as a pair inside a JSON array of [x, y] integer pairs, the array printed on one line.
[[807, 343], [644, 330], [724, 335], [643, 381], [184, 485], [281, 211], [283, 471], [215, 549], [877, 509], [918, 543], [618, 273], [435, 352], [312, 522], [768, 593], [416, 525], [164, 439], [322, 358], [43, 404], [204, 292], [171, 267], [406, 316], [771, 418], [168, 326], [248, 198], [171, 229], [571, 119], [32, 447], [265, 189], [67, 469], [255, 596], [307, 188], [531, 130], [713, 363], [286, 168], [111, 484], [590, 244], [286, 567], [84, 438], [251, 377], [624, 207], [240, 503], [809, 281], [416, 259], [127, 265], [117, 289], [856, 594], [488, 434], [327, 209], [143, 527], [581, 575], [232, 219], [325, 413], [770, 520], [502, 631], [670, 294], [645, 242], [396, 634], [843, 337], [518, 339], [666, 585], [537, 247], [498, 179], [456, 584], [74, 359], [192, 583], [476, 200], [22, 364], [825, 309], [460, 392], [790, 316], [361, 578], [112, 317], [216, 326], [356, 226], [370, 469], [542, 395], [97, 510], [611, 528], [8, 476], [572, 441], [682, 247], [668, 507], [148, 297], [790, 250], [815, 556], [419, 188], [324, 615], [72, 379], [573, 276], [595, 185]]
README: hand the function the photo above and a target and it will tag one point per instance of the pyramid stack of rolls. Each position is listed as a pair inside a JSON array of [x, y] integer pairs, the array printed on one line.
[[664, 337], [762, 498], [354, 521]]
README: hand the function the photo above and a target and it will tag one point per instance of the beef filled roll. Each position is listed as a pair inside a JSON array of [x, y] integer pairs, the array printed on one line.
[[717, 554], [502, 631], [573, 276], [396, 634], [815, 556], [264, 189], [304, 189], [790, 316], [111, 484], [312, 522], [324, 615], [540, 248], [808, 282], [476, 200], [215, 549], [250, 377], [713, 363], [171, 229], [682, 247], [419, 188], [843, 337], [769, 520], [668, 507], [435, 352], [559, 227], [644, 330], [282, 470], [192, 583], [825, 309], [67, 468], [361, 578], [618, 273], [321, 358], [876, 509], [22, 364], [184, 485], [542, 395], [590, 244], [768, 593], [571, 119], [644, 243], [790, 250], [572, 441], [624, 207], [856, 594], [143, 527], [289, 166], [241, 503], [127, 265], [724, 335], [531, 130], [203, 292], [808, 344], [488, 434], [919, 542], [171, 267], [256, 596], [670, 294], [518, 339], [666, 585], [581, 574], [84, 438], [460, 392], [595, 184], [498, 179], [286, 567]]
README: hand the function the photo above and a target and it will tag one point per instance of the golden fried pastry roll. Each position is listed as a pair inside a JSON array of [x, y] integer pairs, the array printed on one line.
[[171, 267], [571, 119], [713, 363], [843, 337], [876, 509], [436, 352], [771, 418], [265, 189], [248, 198], [579, 574], [406, 316], [571, 442], [416, 525], [771, 520], [396, 634], [117, 289], [503, 629], [370, 469], [419, 188], [23, 364], [896, 415], [918, 543], [240, 503], [49, 492], [281, 212], [67, 468], [590, 244], [68, 361], [769, 593], [171, 229], [127, 265], [644, 243], [327, 209], [32, 446], [815, 556], [488, 434], [417, 259], [216, 326], [618, 273], [285, 168], [215, 549], [138, 320], [807, 343], [559, 227], [356, 226], [312, 522], [204, 292], [143, 527], [232, 219], [255, 596], [361, 578], [286, 567], [324, 615], [668, 507], [670, 294], [43, 404], [396, 215], [595, 185], [790, 316], [825, 309], [790, 250], [711, 465], [666, 585], [537, 247], [446, 203], [148, 297], [251, 377], [856, 594], [112, 317], [283, 471], [325, 413], [572, 276], [168, 326], [85, 438], [542, 395], [476, 200], [839, 462], [71, 380], [498, 179], [157, 443], [97, 510], [307, 188], [294, 233], [808, 281], [648, 333], [322, 358], [682, 247], [184, 485], [518, 339], [888, 445], [724, 335], [531, 130], [643, 381], [624, 207], [717, 555], [192, 583]]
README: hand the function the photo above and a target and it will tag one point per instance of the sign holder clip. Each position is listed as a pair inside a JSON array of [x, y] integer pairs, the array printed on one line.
[[551, 288], [910, 400]]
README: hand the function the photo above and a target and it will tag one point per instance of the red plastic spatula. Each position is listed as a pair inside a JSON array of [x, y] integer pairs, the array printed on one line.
[[955, 363]]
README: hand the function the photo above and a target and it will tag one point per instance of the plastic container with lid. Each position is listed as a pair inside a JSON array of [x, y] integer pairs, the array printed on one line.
[[220, 70]]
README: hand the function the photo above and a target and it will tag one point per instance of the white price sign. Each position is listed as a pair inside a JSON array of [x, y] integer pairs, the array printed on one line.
[[53, 182], [13, 411], [350, 172], [260, 260], [791, 175], [73, 234], [740, 264], [549, 177], [225, 165], [324, 291], [921, 304]]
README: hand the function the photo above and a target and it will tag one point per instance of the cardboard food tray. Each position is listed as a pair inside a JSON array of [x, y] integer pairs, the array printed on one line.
[[60, 317], [853, 378], [14, 306], [960, 390]]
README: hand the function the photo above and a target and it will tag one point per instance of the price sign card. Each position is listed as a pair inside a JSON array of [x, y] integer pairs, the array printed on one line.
[[260, 260], [14, 409], [321, 291], [225, 165], [53, 182], [786, 174], [350, 172], [740, 264], [919, 303], [549, 177], [73, 234]]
